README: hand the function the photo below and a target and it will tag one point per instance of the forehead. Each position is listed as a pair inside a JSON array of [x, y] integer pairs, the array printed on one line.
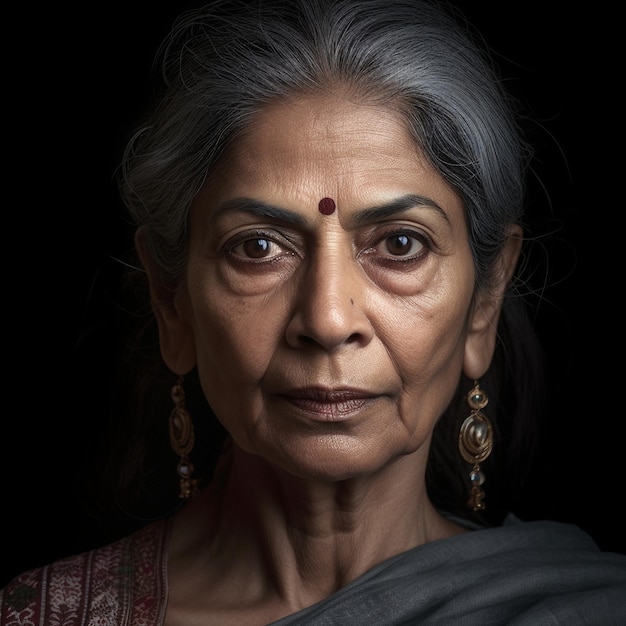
[[327, 126], [301, 150]]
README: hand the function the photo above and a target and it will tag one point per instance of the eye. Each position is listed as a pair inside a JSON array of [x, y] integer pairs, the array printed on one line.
[[400, 246], [254, 248], [257, 247]]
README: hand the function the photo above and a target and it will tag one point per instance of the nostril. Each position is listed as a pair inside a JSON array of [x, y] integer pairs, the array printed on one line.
[[306, 340]]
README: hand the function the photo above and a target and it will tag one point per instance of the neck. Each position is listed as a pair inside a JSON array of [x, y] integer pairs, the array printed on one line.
[[308, 538]]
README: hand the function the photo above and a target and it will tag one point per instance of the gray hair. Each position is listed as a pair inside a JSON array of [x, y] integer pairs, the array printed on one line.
[[221, 64]]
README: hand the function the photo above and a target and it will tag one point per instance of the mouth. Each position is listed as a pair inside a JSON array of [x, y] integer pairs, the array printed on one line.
[[329, 404]]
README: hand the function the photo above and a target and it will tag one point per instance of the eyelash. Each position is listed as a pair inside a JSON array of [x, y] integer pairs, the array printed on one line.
[[258, 235], [273, 238], [412, 234]]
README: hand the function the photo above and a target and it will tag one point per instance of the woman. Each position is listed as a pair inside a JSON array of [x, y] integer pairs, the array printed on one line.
[[329, 209]]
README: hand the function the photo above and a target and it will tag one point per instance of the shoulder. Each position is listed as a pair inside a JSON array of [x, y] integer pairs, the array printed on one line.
[[128, 575], [554, 572], [557, 556], [540, 571], [526, 573]]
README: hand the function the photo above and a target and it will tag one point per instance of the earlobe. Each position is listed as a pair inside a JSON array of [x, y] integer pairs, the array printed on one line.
[[483, 323], [171, 311]]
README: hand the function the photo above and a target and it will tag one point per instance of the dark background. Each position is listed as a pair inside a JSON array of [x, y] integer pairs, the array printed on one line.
[[77, 82]]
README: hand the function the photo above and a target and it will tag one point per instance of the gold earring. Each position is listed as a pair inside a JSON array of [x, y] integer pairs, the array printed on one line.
[[475, 444], [182, 440]]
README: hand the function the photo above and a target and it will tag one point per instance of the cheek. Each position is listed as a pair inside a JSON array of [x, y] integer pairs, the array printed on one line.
[[423, 329], [233, 352], [425, 340], [236, 337], [421, 342], [428, 366]]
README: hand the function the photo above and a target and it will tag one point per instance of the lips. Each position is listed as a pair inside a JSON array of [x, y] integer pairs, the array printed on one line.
[[329, 404]]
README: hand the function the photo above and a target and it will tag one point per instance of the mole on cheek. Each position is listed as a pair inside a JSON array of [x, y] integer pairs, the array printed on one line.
[[326, 206]]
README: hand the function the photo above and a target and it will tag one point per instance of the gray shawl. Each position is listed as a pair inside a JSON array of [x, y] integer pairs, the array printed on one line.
[[530, 573]]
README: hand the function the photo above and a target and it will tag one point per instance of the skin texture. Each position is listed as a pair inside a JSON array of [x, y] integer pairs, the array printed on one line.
[[328, 346]]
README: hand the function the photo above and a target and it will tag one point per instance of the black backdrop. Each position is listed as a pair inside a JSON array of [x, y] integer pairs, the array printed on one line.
[[76, 82]]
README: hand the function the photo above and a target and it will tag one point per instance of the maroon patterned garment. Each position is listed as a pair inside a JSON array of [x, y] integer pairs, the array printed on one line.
[[121, 584]]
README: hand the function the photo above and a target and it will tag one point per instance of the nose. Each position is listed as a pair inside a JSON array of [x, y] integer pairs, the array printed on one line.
[[330, 308]]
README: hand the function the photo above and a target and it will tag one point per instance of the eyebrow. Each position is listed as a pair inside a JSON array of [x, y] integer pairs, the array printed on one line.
[[371, 214], [256, 207], [398, 205]]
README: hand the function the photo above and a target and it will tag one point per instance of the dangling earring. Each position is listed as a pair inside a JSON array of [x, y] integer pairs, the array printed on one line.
[[475, 444], [182, 440]]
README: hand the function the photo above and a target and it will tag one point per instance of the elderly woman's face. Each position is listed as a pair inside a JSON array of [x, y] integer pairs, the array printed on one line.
[[328, 298]]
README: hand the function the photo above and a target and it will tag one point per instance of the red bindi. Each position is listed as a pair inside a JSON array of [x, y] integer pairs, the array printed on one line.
[[326, 206]]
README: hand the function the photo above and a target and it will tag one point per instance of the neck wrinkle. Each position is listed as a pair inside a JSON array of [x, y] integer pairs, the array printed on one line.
[[311, 538]]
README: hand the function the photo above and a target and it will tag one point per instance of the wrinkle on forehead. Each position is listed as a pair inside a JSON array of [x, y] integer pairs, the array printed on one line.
[[341, 140], [305, 152]]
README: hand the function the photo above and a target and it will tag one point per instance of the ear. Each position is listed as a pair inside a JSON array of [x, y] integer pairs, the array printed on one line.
[[171, 310], [480, 342]]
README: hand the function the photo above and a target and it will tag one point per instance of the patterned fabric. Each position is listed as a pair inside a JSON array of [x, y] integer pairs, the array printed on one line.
[[121, 584]]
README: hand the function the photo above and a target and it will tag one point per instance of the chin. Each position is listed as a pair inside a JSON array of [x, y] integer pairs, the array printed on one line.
[[334, 464]]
